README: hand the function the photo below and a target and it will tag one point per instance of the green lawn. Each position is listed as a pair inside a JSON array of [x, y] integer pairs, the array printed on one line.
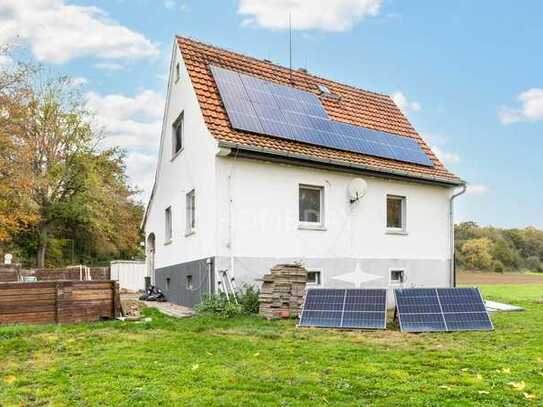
[[251, 362]]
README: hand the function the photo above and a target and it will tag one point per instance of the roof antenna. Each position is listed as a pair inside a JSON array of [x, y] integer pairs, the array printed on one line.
[[290, 44]]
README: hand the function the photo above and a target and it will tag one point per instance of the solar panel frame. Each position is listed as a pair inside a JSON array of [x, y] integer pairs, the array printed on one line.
[[441, 309], [299, 115], [349, 307]]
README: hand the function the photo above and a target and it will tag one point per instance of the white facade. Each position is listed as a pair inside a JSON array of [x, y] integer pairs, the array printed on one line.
[[247, 215], [192, 168]]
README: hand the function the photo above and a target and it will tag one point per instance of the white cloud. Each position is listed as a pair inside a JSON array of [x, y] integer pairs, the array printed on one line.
[[58, 32], [446, 156], [109, 66], [404, 104], [325, 15], [135, 124], [141, 168], [530, 110], [476, 189], [6, 61]]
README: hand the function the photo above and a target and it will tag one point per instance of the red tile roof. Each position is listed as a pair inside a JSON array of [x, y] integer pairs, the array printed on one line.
[[355, 106]]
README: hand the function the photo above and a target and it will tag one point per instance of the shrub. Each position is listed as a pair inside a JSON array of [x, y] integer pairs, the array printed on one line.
[[218, 304], [249, 299], [533, 263], [498, 267]]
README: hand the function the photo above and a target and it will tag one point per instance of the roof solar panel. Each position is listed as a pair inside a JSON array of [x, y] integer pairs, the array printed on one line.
[[344, 308], [289, 113], [441, 309]]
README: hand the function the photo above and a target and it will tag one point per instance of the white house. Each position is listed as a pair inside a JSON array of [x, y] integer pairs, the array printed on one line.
[[229, 199]]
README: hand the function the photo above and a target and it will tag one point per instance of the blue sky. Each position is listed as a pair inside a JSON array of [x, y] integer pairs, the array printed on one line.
[[467, 73]]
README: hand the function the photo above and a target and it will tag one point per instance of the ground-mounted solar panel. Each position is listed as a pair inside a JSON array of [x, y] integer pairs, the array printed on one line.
[[464, 309], [441, 309], [265, 107], [344, 308]]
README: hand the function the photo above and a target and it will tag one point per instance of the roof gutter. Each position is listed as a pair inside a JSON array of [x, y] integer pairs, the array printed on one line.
[[344, 164]]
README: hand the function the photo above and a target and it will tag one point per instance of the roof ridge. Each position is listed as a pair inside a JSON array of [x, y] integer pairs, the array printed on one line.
[[268, 62]]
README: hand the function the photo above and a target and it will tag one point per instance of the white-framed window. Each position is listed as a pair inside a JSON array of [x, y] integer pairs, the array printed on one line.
[[189, 282], [177, 135], [396, 213], [177, 72], [311, 205], [168, 231], [397, 276], [313, 277], [191, 211]]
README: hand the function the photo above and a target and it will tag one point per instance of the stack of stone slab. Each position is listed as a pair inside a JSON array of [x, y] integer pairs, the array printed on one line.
[[282, 292]]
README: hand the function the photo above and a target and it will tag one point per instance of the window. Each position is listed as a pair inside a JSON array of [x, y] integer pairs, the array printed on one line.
[[314, 278], [396, 213], [191, 212], [177, 72], [189, 282], [311, 205], [168, 283], [168, 222], [397, 276], [177, 135]]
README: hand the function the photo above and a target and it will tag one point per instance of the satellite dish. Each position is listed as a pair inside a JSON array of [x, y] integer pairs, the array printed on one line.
[[357, 189]]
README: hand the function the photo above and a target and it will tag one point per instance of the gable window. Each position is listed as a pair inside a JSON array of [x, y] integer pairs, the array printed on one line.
[[397, 276], [311, 205], [191, 212], [396, 213], [177, 135], [313, 277], [168, 224], [177, 72]]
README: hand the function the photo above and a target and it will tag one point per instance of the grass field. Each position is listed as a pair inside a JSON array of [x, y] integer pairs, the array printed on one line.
[[251, 362]]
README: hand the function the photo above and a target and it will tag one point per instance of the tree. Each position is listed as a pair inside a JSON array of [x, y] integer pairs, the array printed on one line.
[[16, 211], [477, 254], [73, 188]]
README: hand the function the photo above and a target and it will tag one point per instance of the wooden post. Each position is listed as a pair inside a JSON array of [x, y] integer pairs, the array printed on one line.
[[116, 299], [59, 301]]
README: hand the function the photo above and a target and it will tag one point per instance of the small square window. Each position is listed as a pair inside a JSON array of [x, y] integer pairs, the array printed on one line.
[[396, 213], [168, 232], [191, 212], [397, 276], [189, 282], [177, 135], [314, 278], [311, 204]]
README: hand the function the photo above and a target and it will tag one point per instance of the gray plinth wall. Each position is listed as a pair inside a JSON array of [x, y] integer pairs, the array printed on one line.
[[186, 284]]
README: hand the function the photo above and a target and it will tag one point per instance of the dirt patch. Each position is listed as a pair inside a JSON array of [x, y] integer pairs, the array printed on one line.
[[475, 278]]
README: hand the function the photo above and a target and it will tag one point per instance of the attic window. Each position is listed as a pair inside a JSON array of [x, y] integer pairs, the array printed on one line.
[[324, 90]]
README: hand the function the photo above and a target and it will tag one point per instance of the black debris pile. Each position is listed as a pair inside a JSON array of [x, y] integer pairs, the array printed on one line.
[[153, 294]]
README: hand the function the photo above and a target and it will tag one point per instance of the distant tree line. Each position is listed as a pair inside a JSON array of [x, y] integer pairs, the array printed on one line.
[[499, 250], [64, 199]]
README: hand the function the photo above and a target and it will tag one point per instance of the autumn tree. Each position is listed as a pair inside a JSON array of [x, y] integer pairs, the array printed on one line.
[[71, 187], [16, 210]]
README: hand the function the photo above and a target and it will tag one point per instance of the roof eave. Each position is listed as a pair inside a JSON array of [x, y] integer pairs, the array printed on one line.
[[384, 172]]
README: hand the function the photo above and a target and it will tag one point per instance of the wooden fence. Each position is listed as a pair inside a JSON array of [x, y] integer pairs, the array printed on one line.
[[14, 272], [9, 272], [58, 301]]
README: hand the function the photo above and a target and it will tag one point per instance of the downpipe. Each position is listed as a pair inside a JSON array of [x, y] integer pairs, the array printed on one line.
[[452, 265]]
